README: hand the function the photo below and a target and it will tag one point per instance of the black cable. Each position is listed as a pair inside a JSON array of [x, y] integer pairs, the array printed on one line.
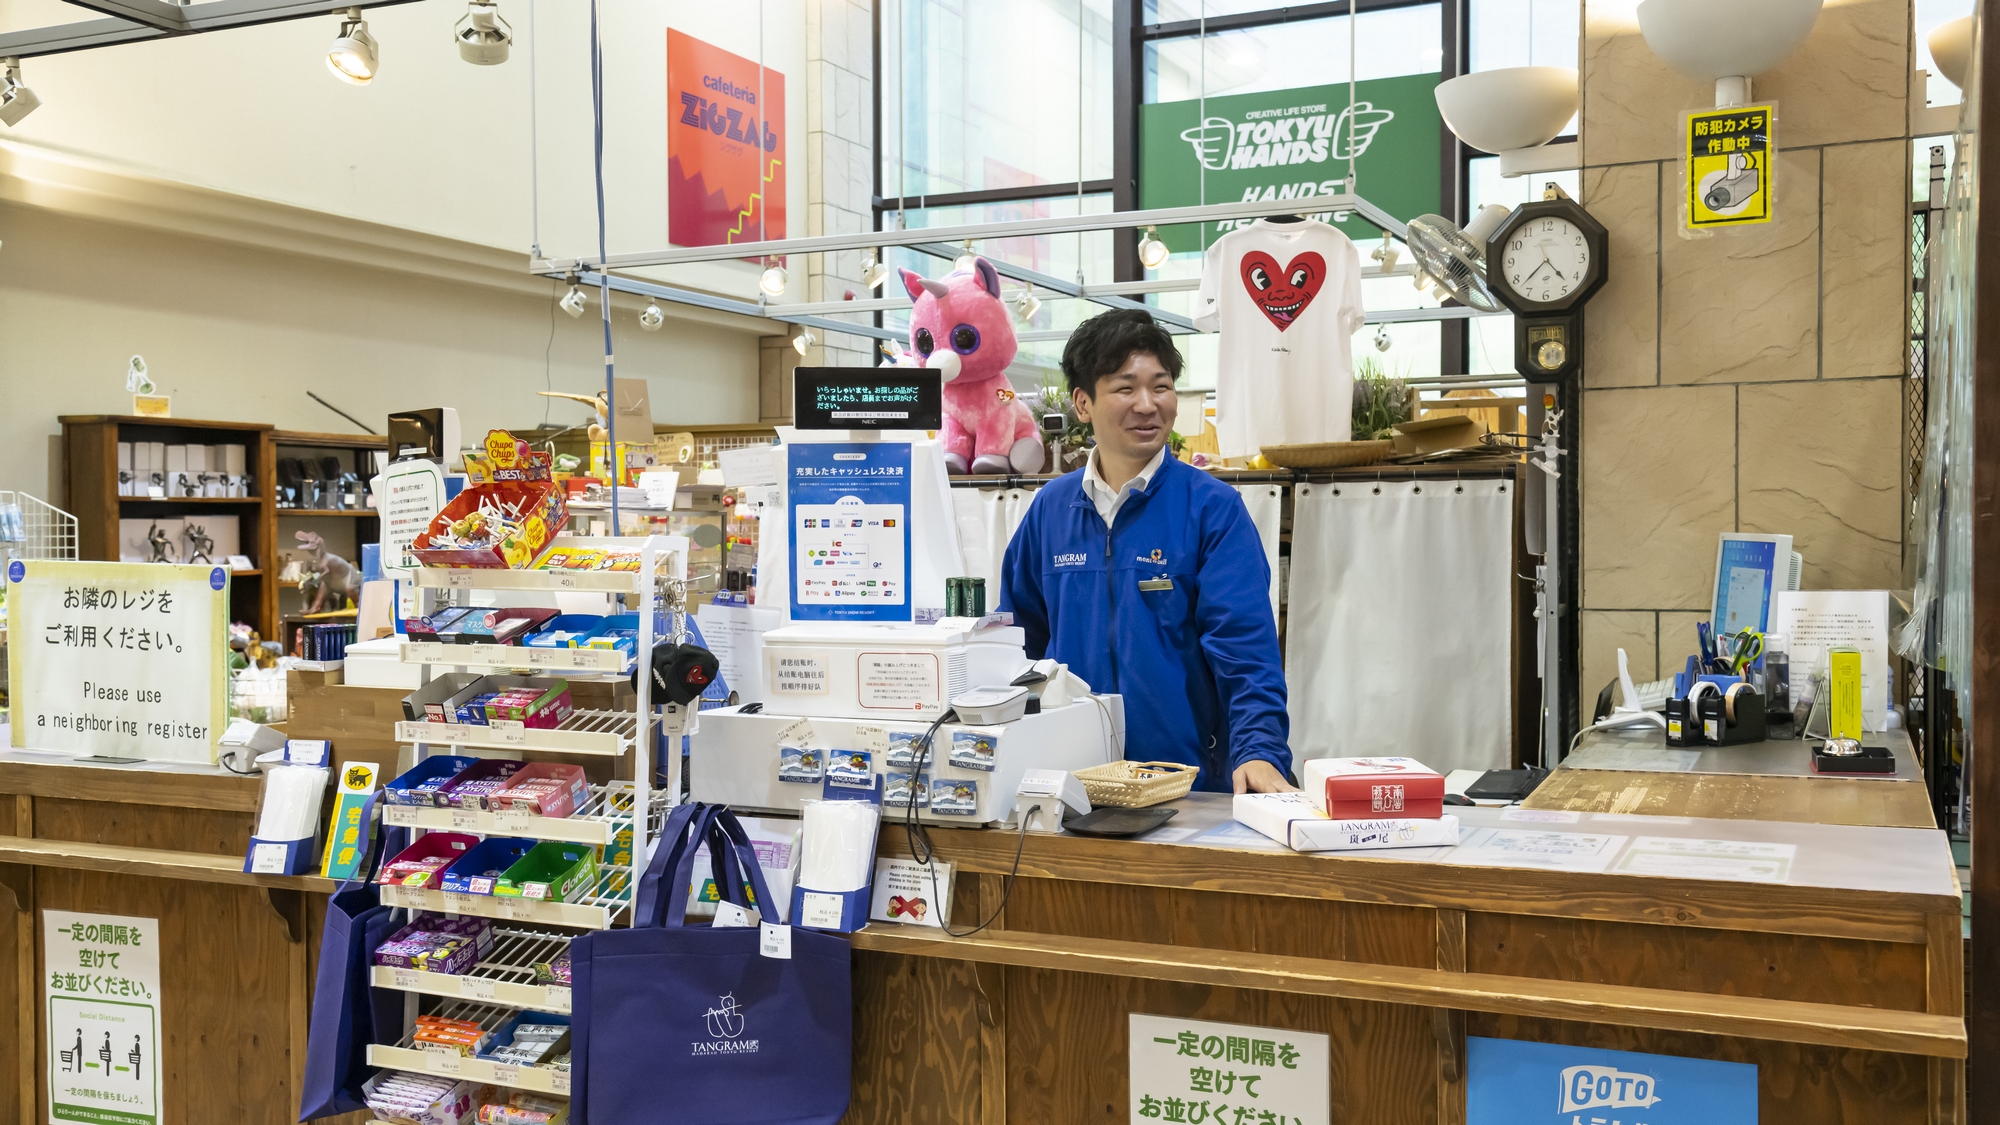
[[921, 851]]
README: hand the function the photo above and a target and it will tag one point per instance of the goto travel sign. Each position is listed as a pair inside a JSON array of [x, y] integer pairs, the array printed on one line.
[[1729, 166], [103, 1010], [1515, 1082]]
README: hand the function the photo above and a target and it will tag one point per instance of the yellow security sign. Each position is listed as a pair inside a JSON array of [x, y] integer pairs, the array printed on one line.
[[1729, 166]]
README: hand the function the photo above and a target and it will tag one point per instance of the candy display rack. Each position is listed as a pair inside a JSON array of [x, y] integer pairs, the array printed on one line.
[[502, 984]]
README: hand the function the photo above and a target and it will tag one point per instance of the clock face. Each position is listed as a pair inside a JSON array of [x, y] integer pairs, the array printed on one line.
[[1545, 259]]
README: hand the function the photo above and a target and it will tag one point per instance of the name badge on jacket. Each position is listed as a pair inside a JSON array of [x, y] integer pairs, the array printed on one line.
[[1151, 585]]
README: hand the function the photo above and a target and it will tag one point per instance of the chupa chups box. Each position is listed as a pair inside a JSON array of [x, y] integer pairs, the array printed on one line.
[[513, 479], [1294, 821], [1347, 788]]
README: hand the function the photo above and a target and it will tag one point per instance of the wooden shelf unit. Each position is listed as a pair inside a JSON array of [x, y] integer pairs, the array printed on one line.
[[90, 443], [353, 450]]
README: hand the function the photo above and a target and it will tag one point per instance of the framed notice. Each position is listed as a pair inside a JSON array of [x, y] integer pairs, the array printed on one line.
[[101, 1015], [850, 531], [118, 659], [867, 398]]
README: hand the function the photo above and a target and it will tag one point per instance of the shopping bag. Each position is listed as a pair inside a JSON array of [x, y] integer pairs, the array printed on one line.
[[347, 1013], [675, 1024]]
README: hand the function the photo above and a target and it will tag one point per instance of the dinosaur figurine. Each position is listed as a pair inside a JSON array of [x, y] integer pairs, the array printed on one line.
[[960, 328], [329, 577], [599, 430]]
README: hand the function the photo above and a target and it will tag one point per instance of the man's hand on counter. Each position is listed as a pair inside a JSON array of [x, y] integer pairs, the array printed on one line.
[[1260, 776]]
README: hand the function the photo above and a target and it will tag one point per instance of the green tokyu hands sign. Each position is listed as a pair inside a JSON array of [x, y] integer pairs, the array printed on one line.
[[1287, 144]]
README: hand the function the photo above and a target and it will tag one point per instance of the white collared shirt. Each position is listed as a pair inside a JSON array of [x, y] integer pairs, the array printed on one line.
[[1105, 498]]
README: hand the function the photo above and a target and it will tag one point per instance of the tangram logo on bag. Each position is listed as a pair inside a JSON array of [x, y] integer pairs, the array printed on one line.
[[725, 1028]]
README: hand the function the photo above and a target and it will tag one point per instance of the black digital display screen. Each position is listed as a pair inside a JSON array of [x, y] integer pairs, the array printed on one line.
[[867, 398]]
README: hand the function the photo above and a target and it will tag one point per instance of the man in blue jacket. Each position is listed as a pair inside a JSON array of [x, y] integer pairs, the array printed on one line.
[[1147, 578]]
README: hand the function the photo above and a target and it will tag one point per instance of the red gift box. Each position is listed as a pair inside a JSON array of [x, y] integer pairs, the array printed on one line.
[[1358, 788]]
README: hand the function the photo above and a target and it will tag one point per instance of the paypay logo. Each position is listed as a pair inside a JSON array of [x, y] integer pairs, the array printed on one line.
[[1604, 1087]]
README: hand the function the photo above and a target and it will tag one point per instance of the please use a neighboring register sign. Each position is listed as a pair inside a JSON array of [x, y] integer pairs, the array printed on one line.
[[867, 398]]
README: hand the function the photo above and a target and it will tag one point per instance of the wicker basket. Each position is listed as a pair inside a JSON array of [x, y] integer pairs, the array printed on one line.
[[1327, 454], [1136, 785]]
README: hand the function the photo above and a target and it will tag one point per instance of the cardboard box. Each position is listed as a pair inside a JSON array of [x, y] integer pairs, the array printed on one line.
[[1294, 821], [1436, 435], [1372, 787]]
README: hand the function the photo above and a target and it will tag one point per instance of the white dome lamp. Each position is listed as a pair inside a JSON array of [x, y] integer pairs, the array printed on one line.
[[1951, 49], [1684, 34], [1513, 112]]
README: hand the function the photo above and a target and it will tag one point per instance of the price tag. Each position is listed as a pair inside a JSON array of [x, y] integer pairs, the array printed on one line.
[[458, 902], [774, 941], [559, 1081], [475, 988], [458, 580], [797, 734], [446, 1062], [512, 822], [405, 979], [538, 656], [507, 1074], [399, 815], [465, 820], [450, 732], [729, 916], [556, 998], [514, 734], [565, 582], [519, 908], [874, 739], [395, 896]]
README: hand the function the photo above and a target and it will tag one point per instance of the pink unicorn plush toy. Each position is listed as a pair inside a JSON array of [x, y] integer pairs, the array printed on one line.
[[961, 329]]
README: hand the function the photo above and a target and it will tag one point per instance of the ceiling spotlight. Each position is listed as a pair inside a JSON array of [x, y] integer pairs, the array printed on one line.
[[16, 100], [1152, 252], [572, 301], [873, 272], [483, 37], [353, 56], [1382, 338], [965, 261], [650, 317], [805, 339], [1027, 305], [773, 281]]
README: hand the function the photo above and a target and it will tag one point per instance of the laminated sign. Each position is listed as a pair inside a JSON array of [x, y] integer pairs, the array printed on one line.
[[102, 993], [1728, 166], [1200, 1073], [1515, 1082]]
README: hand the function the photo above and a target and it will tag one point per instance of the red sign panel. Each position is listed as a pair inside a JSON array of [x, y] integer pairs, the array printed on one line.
[[725, 146]]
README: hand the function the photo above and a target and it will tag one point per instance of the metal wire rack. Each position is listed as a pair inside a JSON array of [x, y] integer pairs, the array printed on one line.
[[31, 528]]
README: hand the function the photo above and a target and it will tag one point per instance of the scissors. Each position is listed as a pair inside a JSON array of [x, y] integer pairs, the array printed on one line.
[[1737, 651]]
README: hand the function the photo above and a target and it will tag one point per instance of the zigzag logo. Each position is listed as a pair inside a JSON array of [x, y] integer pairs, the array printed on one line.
[[756, 197]]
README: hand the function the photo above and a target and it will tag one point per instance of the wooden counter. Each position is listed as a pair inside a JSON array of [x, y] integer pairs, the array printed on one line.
[[1842, 985]]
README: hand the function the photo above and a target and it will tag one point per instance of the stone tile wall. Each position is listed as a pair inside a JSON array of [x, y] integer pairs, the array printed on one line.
[[1749, 380]]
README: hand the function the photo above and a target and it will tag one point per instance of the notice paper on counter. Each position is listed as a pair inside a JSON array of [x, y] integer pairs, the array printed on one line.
[[1742, 860], [1812, 620], [1522, 847]]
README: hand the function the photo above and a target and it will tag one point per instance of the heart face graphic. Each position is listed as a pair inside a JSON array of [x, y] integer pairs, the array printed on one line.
[[1283, 293]]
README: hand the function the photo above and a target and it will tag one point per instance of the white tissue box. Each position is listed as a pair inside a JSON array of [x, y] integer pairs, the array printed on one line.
[[1294, 821]]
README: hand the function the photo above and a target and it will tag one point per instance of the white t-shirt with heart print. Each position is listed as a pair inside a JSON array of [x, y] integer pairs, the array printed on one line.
[[1287, 300]]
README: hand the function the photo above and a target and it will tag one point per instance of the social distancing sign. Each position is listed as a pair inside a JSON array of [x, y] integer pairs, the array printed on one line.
[[1728, 166]]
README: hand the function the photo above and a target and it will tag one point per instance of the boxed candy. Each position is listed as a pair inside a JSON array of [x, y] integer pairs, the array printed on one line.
[[422, 783], [478, 870], [418, 865], [552, 789], [437, 944], [471, 787], [1345, 788], [421, 1099]]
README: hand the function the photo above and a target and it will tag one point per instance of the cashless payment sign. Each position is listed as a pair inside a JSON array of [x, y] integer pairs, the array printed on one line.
[[850, 530], [1514, 1082], [1729, 166]]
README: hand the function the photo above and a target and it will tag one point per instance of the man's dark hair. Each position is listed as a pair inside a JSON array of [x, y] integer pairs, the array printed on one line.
[[1102, 344]]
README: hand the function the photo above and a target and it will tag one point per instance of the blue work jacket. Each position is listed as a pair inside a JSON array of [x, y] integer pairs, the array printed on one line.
[[1195, 651]]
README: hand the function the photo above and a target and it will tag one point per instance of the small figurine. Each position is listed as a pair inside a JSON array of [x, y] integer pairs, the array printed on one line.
[[163, 547], [330, 581], [199, 543]]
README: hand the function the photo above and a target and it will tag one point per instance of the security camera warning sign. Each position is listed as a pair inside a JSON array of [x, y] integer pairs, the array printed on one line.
[[1728, 167]]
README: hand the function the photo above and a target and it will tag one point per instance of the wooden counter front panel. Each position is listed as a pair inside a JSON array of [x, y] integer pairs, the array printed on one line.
[[1879, 974]]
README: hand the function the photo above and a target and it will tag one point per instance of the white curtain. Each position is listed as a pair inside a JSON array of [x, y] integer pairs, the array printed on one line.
[[1398, 639], [1267, 510], [986, 520]]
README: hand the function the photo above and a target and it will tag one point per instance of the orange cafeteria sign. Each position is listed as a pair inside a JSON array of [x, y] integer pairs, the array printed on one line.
[[725, 146]]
